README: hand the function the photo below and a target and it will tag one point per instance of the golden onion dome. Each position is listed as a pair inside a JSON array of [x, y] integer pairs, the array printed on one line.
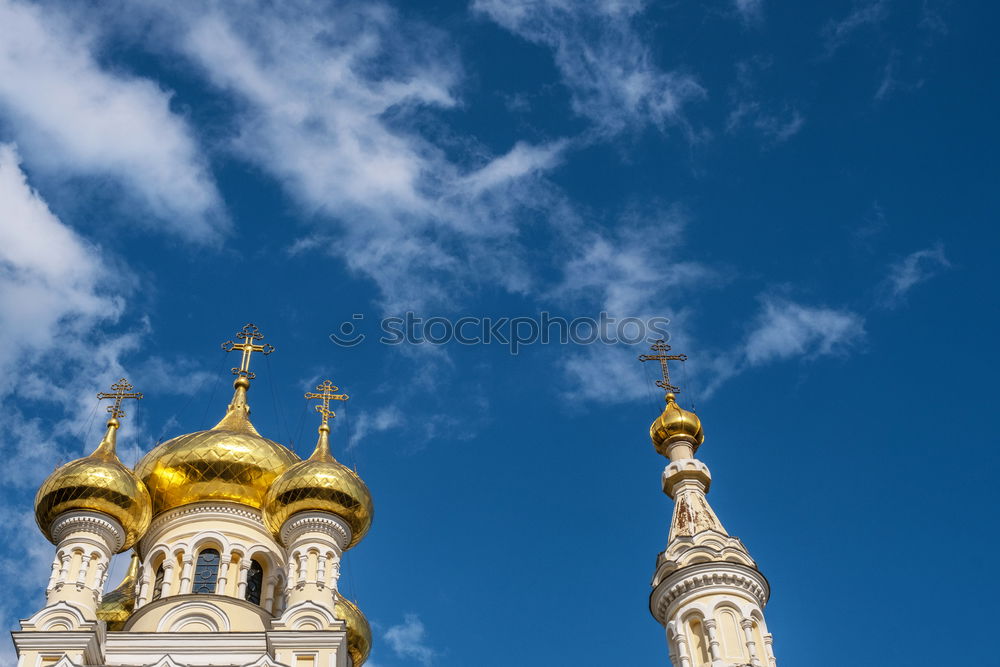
[[230, 461], [675, 423], [99, 483], [359, 633], [320, 483], [119, 604]]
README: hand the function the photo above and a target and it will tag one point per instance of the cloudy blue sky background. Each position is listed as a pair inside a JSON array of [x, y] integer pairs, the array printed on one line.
[[807, 190]]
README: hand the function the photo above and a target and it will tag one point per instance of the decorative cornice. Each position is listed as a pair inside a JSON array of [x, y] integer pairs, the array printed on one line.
[[726, 577], [315, 522], [235, 512], [110, 532], [207, 507]]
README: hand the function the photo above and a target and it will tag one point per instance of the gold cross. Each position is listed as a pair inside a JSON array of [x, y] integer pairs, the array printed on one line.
[[326, 394], [249, 334], [122, 390], [662, 348]]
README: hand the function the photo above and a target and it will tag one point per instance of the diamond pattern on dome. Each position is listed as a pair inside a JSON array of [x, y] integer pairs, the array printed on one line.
[[97, 485], [359, 633], [327, 486], [212, 465]]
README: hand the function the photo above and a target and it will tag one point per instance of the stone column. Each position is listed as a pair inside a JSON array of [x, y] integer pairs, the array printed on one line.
[[303, 569], [223, 578], [241, 585], [682, 650], [321, 570], [713, 641], [267, 600], [168, 577], [56, 566], [87, 533], [143, 596], [747, 626], [185, 584], [769, 650]]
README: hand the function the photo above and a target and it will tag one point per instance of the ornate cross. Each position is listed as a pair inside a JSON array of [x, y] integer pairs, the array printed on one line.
[[662, 348], [326, 394], [122, 390], [249, 334]]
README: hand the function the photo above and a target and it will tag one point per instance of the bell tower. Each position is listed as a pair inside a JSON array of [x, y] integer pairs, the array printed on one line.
[[708, 593]]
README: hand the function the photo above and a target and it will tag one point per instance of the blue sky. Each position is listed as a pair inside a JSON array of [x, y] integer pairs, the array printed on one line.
[[807, 191]]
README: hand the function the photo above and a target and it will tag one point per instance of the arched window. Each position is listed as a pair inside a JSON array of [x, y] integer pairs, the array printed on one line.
[[255, 582], [206, 573], [158, 583]]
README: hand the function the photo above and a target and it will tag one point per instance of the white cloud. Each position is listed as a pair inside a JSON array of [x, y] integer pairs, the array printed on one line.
[[777, 122], [523, 159], [866, 13], [749, 10], [408, 640], [73, 118], [785, 329], [367, 423], [915, 268], [328, 98], [630, 271], [50, 278], [612, 76]]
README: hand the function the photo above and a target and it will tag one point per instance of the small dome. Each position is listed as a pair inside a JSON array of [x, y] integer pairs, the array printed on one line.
[[231, 461], [675, 423], [320, 483], [359, 633], [118, 605], [99, 483]]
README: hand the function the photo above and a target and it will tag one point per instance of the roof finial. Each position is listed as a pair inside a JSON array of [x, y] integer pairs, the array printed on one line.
[[122, 390], [661, 347], [238, 412], [249, 333], [326, 393]]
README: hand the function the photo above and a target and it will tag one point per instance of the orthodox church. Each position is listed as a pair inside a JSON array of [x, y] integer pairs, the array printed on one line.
[[236, 547]]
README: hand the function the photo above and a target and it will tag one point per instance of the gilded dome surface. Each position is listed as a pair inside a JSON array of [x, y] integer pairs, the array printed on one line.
[[230, 461], [320, 483], [359, 633], [99, 483], [119, 604], [675, 422]]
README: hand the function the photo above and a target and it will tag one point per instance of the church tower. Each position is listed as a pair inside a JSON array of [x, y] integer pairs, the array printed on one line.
[[237, 545], [707, 591]]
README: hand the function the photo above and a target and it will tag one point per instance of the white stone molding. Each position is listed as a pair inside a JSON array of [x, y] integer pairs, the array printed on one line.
[[108, 533], [306, 615], [166, 661], [316, 522], [732, 578], [59, 617], [266, 661], [194, 612], [235, 511]]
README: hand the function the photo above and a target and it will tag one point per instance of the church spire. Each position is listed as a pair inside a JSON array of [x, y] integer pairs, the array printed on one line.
[[707, 591]]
